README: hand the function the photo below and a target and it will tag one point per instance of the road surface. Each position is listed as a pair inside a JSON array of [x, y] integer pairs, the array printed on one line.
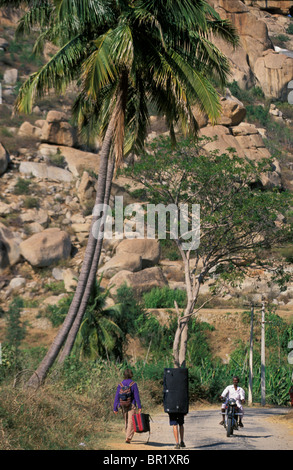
[[262, 431]]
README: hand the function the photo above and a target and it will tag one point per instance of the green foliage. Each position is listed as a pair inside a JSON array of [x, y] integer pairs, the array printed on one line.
[[98, 333], [287, 253], [198, 347], [281, 40], [164, 297], [234, 212], [22, 186], [289, 30], [57, 313], [31, 202], [131, 309], [155, 336], [58, 159], [258, 114], [247, 96], [16, 331]]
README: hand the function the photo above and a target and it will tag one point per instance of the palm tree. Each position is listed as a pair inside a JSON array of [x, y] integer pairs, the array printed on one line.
[[98, 332], [124, 55]]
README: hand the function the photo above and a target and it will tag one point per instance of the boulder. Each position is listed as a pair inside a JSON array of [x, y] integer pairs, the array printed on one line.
[[47, 247], [173, 270], [254, 39], [10, 76], [57, 130], [275, 6], [28, 130], [140, 282], [4, 159], [70, 278], [42, 170], [148, 250], [87, 188], [5, 209], [4, 44], [273, 72], [232, 113], [121, 262], [17, 283], [77, 160], [221, 140], [39, 216], [9, 247], [245, 139], [200, 116]]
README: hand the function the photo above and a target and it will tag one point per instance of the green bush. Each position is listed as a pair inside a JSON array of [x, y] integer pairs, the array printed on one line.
[[258, 114], [164, 298], [22, 186], [57, 313], [289, 30], [130, 309]]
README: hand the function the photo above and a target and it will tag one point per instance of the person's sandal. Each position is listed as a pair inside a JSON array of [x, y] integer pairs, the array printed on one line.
[[127, 441], [177, 446], [222, 422], [182, 444]]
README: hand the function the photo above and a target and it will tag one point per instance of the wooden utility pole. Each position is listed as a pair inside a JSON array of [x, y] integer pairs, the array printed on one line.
[[263, 357], [251, 357]]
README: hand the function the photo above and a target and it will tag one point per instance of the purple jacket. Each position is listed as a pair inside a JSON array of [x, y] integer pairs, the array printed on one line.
[[134, 388]]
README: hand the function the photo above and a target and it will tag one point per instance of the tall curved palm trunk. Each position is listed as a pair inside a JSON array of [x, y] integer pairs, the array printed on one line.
[[83, 280], [92, 274]]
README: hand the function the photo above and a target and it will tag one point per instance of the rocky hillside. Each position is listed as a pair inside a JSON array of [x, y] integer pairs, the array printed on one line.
[[48, 180]]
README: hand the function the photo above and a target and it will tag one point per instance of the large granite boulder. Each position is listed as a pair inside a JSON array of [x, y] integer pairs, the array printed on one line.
[[273, 72], [47, 247], [57, 130], [9, 247], [148, 250], [140, 282], [254, 39]]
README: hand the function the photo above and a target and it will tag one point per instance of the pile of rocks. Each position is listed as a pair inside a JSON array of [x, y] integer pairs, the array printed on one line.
[[52, 237], [255, 61]]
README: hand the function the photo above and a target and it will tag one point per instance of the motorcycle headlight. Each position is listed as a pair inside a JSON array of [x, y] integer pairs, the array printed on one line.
[[232, 401]]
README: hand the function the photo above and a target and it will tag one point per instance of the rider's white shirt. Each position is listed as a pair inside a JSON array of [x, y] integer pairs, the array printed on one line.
[[237, 394]]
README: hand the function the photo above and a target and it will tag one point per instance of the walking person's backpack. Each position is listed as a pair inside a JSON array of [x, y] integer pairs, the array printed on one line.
[[125, 395]]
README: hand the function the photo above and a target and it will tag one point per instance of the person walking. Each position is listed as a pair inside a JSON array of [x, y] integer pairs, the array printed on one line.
[[177, 421], [127, 398]]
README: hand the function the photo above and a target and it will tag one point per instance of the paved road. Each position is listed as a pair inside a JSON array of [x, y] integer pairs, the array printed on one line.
[[203, 432]]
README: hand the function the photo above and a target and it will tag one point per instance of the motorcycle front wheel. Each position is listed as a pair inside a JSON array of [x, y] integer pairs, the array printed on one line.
[[229, 426]]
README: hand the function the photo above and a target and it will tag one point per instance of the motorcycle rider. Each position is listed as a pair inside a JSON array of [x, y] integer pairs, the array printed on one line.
[[236, 392]]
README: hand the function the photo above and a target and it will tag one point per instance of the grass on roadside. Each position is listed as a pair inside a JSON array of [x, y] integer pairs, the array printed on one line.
[[52, 420]]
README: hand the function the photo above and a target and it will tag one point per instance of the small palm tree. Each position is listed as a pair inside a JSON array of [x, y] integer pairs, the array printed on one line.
[[98, 333], [124, 55]]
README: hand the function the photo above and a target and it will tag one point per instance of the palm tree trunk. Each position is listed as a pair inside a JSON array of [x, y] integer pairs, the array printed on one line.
[[41, 372], [117, 121], [91, 278]]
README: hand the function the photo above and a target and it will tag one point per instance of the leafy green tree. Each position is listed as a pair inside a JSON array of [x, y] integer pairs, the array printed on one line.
[[238, 220], [124, 55]]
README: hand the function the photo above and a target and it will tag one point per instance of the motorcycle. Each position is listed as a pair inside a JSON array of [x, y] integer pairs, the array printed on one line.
[[231, 415]]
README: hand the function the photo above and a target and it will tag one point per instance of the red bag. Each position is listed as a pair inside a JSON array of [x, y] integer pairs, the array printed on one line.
[[141, 423]]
